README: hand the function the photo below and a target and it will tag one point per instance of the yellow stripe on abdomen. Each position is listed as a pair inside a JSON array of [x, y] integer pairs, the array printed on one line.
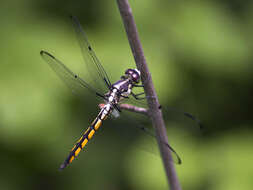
[[71, 159], [98, 124], [81, 143], [91, 134], [77, 151], [84, 143]]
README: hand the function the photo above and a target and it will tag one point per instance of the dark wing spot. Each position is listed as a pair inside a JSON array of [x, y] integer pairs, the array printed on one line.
[[89, 48], [75, 76]]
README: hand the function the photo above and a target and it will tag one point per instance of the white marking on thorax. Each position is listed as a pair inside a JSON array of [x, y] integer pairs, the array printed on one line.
[[105, 110], [112, 95], [112, 98], [117, 86]]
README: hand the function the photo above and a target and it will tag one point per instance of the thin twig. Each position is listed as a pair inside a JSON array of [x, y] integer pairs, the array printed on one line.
[[135, 109], [153, 104]]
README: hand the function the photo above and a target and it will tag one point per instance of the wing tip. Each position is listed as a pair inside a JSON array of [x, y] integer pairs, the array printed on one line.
[[179, 161], [73, 17], [42, 52]]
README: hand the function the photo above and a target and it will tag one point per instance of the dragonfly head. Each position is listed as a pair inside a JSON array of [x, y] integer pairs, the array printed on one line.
[[133, 74]]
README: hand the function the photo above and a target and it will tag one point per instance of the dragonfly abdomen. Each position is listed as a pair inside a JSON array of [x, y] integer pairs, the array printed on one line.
[[84, 139]]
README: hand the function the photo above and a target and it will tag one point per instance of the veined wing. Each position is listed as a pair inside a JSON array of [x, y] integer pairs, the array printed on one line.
[[167, 111], [73, 81], [130, 127], [93, 64], [175, 157], [132, 122]]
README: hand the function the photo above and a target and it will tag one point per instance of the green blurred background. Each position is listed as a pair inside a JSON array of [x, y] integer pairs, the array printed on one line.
[[200, 57]]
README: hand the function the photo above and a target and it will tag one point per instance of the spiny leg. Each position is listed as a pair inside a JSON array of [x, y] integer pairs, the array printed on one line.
[[124, 96], [138, 85], [136, 96]]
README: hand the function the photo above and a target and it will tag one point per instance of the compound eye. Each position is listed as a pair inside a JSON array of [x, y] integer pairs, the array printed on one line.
[[129, 71], [135, 77]]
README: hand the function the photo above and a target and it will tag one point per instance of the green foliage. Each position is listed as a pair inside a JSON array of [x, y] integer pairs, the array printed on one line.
[[199, 54]]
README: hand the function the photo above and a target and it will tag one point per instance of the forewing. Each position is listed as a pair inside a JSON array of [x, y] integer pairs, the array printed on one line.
[[73, 81], [95, 68]]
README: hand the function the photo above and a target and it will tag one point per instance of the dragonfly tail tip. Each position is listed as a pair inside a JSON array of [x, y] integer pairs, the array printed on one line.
[[62, 167]]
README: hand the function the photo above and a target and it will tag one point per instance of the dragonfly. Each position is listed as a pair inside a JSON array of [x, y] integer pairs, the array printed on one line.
[[116, 92]]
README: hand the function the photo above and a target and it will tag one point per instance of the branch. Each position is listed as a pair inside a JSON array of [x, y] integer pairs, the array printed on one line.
[[135, 109], [153, 104]]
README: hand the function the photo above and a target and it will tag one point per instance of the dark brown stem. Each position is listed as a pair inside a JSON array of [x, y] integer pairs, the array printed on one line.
[[153, 104]]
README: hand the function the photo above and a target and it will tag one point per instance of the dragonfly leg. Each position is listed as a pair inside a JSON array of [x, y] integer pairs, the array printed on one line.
[[123, 96], [138, 85], [136, 96], [140, 94]]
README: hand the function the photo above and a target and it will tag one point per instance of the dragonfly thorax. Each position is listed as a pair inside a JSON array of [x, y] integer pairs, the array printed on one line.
[[122, 88]]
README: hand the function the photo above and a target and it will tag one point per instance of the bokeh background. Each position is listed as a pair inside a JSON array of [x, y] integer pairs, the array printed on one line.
[[200, 57]]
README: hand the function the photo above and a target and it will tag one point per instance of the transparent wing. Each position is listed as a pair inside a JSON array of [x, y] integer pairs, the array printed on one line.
[[95, 68], [169, 113], [175, 157], [73, 81], [130, 126]]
